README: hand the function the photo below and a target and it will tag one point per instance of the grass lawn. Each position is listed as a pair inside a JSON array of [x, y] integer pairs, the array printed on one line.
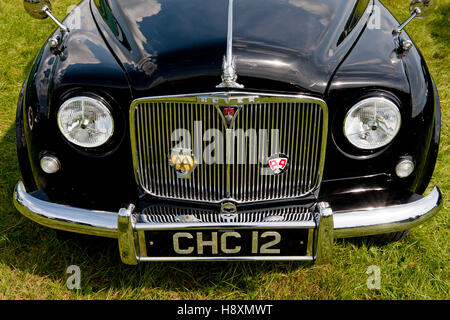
[[34, 259]]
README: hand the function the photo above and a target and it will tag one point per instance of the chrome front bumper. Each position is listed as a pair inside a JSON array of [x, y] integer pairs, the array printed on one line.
[[128, 230]]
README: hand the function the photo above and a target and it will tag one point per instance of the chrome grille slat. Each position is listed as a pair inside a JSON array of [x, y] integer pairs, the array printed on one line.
[[302, 124], [155, 214]]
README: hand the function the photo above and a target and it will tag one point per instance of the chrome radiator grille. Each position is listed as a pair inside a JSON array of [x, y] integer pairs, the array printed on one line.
[[294, 126]]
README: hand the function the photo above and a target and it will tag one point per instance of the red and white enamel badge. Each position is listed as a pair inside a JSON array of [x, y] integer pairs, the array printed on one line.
[[229, 112], [278, 163]]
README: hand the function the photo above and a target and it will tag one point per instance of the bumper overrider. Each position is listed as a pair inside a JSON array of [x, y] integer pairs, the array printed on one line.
[[309, 238]]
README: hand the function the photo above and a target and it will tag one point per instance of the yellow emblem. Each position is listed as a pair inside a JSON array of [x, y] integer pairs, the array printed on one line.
[[182, 162]]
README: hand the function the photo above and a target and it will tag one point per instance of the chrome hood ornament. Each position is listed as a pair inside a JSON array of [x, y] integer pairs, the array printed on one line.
[[229, 75]]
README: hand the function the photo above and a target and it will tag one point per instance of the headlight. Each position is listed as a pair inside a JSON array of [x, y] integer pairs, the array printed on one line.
[[85, 121], [372, 123]]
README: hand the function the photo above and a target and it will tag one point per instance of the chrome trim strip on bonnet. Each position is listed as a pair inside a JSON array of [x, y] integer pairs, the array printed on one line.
[[229, 75]]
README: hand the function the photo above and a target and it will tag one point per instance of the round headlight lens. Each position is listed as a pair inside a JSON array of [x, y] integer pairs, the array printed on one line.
[[85, 121], [372, 123]]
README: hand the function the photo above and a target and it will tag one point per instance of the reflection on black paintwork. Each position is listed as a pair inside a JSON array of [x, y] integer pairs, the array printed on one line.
[[291, 41], [105, 10], [358, 11]]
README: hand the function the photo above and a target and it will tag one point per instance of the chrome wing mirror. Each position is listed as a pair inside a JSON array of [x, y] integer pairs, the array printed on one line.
[[42, 9], [419, 9], [35, 8], [423, 8]]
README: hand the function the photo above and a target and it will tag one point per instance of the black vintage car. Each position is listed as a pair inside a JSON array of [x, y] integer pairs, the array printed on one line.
[[228, 130]]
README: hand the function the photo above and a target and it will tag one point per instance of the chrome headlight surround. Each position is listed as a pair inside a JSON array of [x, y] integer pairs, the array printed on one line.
[[372, 123], [85, 121]]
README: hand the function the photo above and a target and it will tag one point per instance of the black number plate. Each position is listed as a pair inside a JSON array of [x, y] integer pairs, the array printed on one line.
[[227, 242]]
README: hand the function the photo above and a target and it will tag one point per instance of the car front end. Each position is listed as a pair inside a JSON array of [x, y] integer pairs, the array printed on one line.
[[236, 130]]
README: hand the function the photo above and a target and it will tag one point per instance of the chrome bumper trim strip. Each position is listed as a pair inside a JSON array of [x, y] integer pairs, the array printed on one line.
[[56, 216], [237, 225], [352, 223], [357, 223]]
